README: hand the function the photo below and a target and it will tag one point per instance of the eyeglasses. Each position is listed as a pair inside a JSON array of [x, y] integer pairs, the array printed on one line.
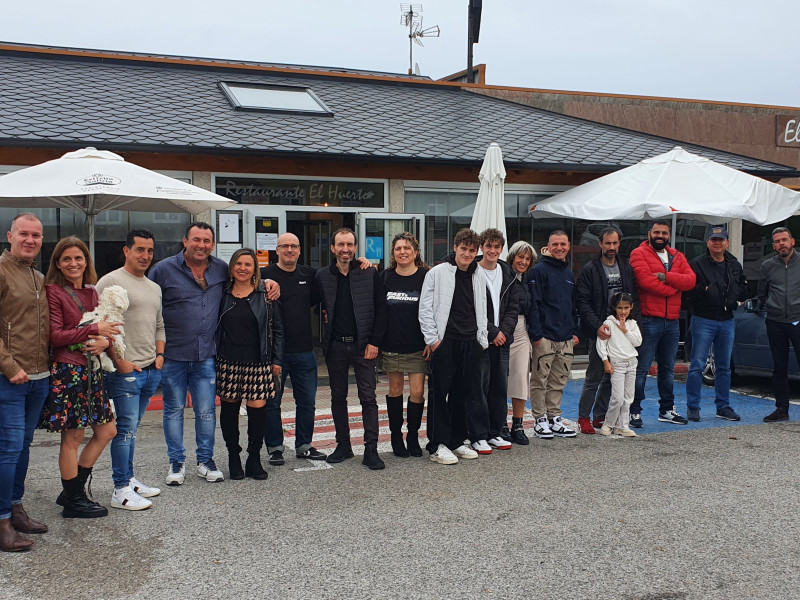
[[289, 246]]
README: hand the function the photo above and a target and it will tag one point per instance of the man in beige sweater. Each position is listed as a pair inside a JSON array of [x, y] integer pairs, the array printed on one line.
[[139, 372]]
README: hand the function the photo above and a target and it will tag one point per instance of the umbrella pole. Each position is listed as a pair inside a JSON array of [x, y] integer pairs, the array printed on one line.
[[91, 236], [674, 227]]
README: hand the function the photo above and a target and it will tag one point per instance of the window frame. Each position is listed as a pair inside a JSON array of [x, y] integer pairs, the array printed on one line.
[[227, 88]]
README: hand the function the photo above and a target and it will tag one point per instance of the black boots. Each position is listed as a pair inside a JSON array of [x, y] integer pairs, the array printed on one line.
[[518, 432], [256, 424], [414, 418], [394, 408], [77, 505], [371, 458], [229, 425], [343, 452]]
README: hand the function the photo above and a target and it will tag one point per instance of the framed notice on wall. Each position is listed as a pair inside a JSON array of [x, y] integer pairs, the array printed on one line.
[[229, 227]]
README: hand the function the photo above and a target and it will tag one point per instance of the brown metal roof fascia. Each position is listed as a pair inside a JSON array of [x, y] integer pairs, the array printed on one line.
[[106, 56], [628, 96]]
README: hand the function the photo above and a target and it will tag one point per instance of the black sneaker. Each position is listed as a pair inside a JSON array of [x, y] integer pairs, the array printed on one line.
[[672, 417], [777, 415], [693, 414], [276, 458], [506, 434], [312, 454], [372, 460], [636, 420], [728, 414], [342, 452]]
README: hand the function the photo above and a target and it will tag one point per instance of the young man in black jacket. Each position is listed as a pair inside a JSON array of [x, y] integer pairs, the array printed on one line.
[[720, 287], [490, 426], [597, 283]]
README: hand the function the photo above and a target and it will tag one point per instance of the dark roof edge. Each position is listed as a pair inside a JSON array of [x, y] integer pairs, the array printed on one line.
[[443, 162]]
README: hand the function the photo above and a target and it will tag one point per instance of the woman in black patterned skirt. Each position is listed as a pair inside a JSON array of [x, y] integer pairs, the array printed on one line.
[[249, 341]]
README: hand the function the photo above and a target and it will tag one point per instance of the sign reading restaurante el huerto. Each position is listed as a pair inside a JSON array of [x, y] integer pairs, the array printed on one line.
[[788, 130], [293, 192]]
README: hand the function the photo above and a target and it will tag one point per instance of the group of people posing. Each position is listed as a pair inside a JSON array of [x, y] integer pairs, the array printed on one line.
[[479, 328]]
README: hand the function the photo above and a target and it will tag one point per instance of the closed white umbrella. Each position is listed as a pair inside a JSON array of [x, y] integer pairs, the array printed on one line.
[[490, 206], [677, 183], [93, 181]]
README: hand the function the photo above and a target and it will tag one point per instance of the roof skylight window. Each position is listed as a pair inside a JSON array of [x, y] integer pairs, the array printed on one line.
[[271, 98]]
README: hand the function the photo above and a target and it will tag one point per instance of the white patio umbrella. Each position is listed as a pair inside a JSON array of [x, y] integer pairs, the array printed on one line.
[[490, 206], [94, 181], [677, 183]]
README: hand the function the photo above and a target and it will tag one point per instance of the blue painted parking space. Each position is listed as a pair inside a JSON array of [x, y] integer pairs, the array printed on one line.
[[752, 409]]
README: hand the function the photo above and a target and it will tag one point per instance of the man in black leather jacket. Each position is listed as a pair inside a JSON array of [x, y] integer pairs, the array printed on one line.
[[720, 287]]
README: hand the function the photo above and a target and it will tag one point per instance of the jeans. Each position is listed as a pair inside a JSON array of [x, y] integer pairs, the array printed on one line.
[[706, 332], [551, 364], [596, 387], [660, 341], [20, 410], [492, 414], [780, 336], [339, 358], [452, 391], [201, 380], [302, 368], [131, 393]]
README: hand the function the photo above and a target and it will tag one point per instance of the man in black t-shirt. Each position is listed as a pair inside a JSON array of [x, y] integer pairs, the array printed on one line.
[[298, 294]]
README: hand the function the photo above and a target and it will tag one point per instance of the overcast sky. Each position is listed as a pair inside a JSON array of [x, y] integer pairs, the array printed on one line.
[[731, 50]]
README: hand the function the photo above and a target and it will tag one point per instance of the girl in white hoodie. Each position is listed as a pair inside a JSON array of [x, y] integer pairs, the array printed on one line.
[[619, 359]]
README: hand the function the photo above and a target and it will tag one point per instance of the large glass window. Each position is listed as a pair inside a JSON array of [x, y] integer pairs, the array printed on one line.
[[111, 227]]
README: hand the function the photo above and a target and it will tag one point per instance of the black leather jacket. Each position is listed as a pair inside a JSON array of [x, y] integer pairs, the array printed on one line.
[[264, 311], [721, 298]]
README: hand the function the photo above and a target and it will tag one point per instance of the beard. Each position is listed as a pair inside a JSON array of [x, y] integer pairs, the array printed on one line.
[[658, 244]]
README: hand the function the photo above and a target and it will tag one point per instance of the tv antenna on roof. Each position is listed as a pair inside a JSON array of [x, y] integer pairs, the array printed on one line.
[[411, 18]]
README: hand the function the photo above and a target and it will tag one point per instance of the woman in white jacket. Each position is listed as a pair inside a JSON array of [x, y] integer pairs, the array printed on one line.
[[619, 357]]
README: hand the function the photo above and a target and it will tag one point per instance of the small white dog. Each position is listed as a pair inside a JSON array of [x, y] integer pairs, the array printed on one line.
[[112, 303]]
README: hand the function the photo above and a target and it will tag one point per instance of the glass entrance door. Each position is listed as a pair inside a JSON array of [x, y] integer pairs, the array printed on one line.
[[376, 230]]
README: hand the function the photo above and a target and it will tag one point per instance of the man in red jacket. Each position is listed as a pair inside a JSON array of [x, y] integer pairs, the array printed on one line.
[[661, 274]]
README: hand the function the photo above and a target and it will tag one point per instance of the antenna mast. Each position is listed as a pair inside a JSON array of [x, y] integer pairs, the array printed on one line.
[[411, 18]]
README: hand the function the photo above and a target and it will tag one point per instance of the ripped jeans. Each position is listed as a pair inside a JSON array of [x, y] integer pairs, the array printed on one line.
[[131, 394], [200, 379]]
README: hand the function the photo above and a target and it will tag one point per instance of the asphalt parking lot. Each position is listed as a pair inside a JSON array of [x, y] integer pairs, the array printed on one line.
[[688, 513]]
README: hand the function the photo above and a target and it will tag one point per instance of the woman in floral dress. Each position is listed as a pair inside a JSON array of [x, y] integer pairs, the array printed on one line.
[[77, 399]]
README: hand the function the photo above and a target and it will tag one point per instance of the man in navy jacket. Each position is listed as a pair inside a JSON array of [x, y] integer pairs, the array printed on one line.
[[553, 328]]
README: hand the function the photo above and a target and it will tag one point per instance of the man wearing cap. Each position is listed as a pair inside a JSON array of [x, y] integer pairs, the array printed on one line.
[[719, 288], [779, 292]]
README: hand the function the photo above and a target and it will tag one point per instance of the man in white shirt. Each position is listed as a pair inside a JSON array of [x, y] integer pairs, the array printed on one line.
[[489, 422]]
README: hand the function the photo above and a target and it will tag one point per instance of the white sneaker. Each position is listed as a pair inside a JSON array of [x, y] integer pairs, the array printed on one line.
[[481, 447], [145, 491], [605, 430], [127, 499], [542, 429], [176, 474], [465, 452], [443, 456], [625, 432], [561, 430], [209, 471], [499, 443]]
